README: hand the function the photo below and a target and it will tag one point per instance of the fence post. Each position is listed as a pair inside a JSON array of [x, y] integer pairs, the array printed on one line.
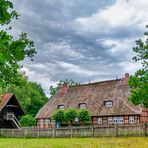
[[71, 132], [53, 133], [38, 132], [12, 133], [0, 132], [24, 133], [92, 131], [144, 130], [116, 130]]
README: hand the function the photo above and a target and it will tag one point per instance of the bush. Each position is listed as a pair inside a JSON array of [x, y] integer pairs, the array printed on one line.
[[58, 116], [70, 115], [84, 116], [27, 120]]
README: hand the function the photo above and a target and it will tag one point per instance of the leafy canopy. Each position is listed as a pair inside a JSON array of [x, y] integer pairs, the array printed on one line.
[[70, 115], [60, 84], [12, 51], [84, 116], [58, 115], [139, 81], [27, 121], [31, 96]]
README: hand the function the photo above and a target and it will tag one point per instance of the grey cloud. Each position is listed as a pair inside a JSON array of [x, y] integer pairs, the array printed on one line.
[[52, 26]]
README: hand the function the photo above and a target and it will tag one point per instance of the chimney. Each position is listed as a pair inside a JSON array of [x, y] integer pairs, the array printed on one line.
[[125, 79], [127, 75], [64, 88]]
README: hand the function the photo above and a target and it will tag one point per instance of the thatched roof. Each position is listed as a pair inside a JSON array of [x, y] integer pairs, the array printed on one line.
[[4, 100], [93, 95]]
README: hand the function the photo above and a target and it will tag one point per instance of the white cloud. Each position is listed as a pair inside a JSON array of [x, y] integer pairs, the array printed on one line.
[[122, 13], [130, 67], [63, 48], [71, 68], [119, 46]]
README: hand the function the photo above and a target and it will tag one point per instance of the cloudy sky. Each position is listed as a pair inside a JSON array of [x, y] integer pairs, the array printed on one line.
[[80, 39]]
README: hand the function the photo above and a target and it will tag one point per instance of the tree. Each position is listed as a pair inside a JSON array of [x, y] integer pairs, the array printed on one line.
[[139, 81], [12, 51], [84, 116], [6, 12], [31, 96], [27, 121], [58, 116], [70, 115], [60, 84]]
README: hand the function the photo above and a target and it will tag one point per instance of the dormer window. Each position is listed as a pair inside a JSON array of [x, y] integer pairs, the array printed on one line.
[[108, 103], [61, 107], [82, 105]]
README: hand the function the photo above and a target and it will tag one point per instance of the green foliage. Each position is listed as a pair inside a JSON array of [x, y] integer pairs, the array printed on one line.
[[58, 115], [84, 116], [31, 96], [12, 51], [60, 84], [70, 115], [6, 12], [27, 121], [139, 81]]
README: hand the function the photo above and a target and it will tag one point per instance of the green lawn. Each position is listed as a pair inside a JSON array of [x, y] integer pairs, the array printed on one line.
[[128, 142]]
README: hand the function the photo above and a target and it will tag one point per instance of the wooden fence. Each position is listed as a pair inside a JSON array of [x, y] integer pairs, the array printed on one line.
[[91, 131]]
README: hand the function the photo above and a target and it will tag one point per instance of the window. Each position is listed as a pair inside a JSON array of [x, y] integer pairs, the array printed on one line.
[[115, 120], [47, 121], [131, 119], [41, 121], [99, 120], [110, 120], [61, 107], [120, 120], [82, 105], [76, 119], [108, 103]]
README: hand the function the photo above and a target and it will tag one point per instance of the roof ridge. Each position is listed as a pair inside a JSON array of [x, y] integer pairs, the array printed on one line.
[[93, 83]]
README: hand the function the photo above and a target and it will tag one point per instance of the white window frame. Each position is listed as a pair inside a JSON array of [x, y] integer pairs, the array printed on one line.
[[47, 121], [76, 119], [99, 120], [41, 122], [110, 120], [115, 120], [108, 103], [82, 106], [121, 120], [131, 119], [61, 107]]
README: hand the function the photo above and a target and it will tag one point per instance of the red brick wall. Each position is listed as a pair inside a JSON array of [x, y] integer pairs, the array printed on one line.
[[144, 116], [126, 119], [43, 125]]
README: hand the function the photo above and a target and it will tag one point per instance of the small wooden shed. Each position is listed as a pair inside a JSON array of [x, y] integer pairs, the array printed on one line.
[[10, 111]]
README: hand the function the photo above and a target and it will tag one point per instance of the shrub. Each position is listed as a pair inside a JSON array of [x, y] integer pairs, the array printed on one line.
[[58, 116], [84, 116], [70, 115], [27, 120]]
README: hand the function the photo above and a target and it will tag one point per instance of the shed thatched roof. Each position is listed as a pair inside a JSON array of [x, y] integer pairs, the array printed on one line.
[[4, 100], [94, 95]]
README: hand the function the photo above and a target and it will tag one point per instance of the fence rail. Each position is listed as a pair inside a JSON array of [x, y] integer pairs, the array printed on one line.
[[91, 131]]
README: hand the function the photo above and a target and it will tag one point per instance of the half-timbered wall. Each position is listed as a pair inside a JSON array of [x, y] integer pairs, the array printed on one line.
[[144, 115], [127, 119]]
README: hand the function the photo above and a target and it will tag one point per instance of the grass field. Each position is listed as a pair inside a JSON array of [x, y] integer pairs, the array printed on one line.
[[128, 142]]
